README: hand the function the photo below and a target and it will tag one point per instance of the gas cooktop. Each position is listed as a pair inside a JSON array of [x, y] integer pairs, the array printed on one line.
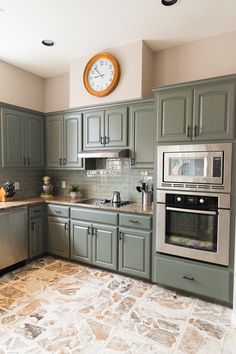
[[107, 202]]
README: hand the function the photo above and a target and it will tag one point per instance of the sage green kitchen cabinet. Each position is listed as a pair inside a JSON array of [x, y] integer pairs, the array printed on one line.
[[22, 139], [13, 237], [105, 128], [94, 237], [142, 134], [94, 244], [64, 141], [58, 233], [198, 278], [199, 111], [135, 252], [36, 231]]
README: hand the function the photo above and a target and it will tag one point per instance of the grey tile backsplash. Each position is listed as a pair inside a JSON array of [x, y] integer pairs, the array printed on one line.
[[30, 180], [111, 174]]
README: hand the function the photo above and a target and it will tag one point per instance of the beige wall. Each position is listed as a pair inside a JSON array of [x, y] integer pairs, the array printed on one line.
[[21, 88], [56, 93], [129, 87], [147, 71], [205, 58]]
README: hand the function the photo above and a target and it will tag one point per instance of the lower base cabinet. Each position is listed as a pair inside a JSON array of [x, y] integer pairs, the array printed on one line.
[[94, 244], [202, 279], [134, 252], [37, 239], [58, 232]]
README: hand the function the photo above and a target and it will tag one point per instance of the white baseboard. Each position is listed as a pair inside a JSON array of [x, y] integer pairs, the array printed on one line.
[[233, 318]]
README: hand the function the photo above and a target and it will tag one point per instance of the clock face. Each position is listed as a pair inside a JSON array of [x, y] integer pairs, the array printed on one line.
[[101, 74]]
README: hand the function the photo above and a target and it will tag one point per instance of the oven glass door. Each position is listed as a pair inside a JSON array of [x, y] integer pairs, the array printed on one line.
[[191, 228], [193, 167]]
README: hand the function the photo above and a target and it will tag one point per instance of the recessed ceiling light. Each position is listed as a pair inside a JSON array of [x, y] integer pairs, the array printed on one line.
[[168, 2], [48, 42]]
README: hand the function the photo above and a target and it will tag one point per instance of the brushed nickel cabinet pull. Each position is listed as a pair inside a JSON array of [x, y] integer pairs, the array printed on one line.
[[188, 133], [28, 161], [60, 161], [195, 131], [64, 161], [107, 139], [102, 140], [32, 226], [134, 221], [24, 161]]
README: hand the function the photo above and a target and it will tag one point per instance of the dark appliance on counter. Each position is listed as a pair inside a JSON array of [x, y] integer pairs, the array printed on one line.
[[193, 201]]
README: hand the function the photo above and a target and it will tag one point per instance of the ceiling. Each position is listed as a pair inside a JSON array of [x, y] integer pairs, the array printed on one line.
[[83, 27]]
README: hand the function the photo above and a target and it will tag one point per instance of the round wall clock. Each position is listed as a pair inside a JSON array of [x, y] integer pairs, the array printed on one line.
[[101, 74]]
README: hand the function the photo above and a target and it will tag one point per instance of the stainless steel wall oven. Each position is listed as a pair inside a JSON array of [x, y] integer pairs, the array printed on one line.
[[192, 220]]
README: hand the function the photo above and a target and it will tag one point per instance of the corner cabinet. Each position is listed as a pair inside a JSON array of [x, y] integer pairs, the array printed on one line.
[[22, 139], [199, 111], [142, 134], [105, 128], [64, 141]]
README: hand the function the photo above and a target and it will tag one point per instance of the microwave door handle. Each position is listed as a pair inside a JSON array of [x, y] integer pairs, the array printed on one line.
[[193, 211]]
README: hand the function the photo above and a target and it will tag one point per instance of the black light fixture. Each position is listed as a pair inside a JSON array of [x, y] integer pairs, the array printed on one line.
[[48, 42], [168, 2]]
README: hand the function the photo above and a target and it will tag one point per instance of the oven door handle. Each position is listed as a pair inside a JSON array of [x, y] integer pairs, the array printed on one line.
[[193, 211]]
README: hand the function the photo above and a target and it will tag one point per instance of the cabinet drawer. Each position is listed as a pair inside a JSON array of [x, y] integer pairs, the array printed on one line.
[[136, 221], [205, 280], [94, 216], [58, 210], [35, 211]]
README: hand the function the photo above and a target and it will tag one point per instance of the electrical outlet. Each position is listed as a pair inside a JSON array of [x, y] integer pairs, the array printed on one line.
[[63, 184], [17, 185]]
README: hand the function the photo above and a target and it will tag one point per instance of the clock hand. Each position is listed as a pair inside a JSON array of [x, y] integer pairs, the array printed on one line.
[[97, 71], [99, 76]]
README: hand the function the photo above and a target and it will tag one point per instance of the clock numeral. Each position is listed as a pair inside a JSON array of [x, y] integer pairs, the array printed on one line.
[[93, 72], [110, 66], [101, 62], [110, 80], [112, 72]]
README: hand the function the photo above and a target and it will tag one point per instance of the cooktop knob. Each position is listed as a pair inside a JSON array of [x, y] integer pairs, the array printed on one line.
[[201, 200]]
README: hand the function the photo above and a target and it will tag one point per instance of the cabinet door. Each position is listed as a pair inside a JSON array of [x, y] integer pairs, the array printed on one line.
[[13, 138], [142, 135], [93, 131], [18, 234], [72, 140], [174, 115], [214, 111], [34, 140], [58, 231], [104, 245], [81, 241], [116, 123], [36, 237], [54, 131], [5, 241], [135, 252]]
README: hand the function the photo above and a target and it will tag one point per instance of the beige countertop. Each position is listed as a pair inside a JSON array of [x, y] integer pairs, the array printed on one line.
[[130, 208]]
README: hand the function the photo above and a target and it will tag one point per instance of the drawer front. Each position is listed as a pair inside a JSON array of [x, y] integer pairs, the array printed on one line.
[[196, 278], [35, 211], [136, 221], [59, 210], [94, 216]]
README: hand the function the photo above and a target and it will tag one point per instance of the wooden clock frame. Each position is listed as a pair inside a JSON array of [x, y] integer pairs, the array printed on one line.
[[115, 80]]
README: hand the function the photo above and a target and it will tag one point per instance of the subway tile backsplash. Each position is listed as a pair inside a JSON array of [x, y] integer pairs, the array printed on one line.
[[111, 175]]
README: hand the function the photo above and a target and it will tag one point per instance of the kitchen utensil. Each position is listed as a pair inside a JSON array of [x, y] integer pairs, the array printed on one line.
[[9, 188], [116, 197]]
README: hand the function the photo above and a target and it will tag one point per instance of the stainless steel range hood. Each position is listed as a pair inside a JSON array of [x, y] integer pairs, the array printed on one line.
[[104, 153]]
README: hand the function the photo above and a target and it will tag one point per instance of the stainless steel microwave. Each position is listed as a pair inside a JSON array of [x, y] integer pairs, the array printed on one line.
[[195, 167]]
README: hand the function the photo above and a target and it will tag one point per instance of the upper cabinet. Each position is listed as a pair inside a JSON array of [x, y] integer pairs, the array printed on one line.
[[142, 134], [105, 128], [64, 140], [22, 139], [201, 111]]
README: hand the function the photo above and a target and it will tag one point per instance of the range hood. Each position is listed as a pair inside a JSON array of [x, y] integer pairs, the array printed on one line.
[[104, 153]]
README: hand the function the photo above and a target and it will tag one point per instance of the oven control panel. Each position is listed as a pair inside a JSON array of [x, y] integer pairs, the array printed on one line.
[[193, 201]]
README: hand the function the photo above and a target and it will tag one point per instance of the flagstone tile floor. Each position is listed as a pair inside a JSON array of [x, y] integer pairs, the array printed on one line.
[[56, 306]]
